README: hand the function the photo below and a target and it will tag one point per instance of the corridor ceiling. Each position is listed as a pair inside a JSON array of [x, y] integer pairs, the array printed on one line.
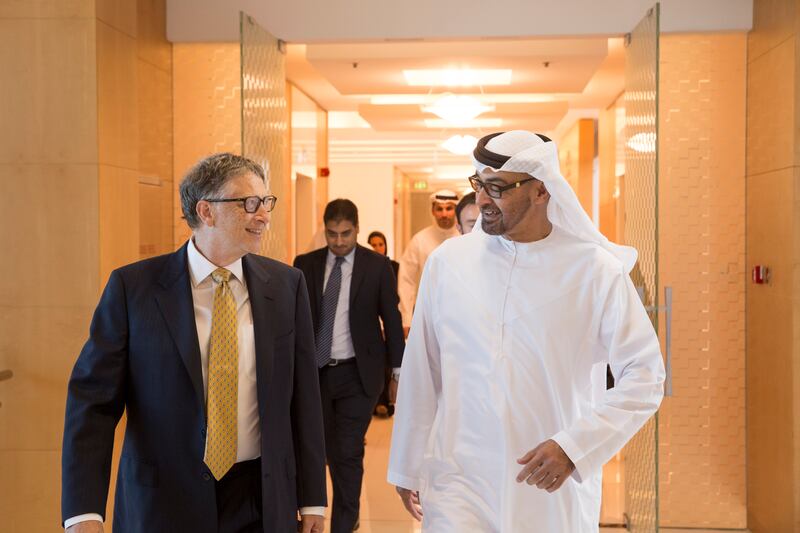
[[350, 57]]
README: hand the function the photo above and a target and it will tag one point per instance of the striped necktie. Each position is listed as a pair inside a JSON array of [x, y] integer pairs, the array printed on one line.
[[329, 300], [223, 379]]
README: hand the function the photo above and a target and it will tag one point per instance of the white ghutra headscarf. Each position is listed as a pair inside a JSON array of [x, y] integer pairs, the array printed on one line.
[[534, 154]]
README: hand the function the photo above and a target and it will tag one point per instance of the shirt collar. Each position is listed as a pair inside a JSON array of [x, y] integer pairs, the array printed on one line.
[[201, 268], [348, 258]]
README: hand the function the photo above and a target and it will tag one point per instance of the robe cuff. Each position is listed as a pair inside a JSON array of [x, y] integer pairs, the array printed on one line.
[[583, 466], [399, 480]]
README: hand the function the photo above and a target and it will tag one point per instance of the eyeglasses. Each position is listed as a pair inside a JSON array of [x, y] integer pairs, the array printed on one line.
[[250, 203], [492, 189]]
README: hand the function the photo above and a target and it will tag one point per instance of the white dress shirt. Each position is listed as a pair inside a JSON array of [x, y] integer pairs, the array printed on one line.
[[342, 343], [203, 287], [248, 444]]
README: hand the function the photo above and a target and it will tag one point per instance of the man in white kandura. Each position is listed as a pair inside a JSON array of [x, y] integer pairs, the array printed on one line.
[[443, 209], [500, 425]]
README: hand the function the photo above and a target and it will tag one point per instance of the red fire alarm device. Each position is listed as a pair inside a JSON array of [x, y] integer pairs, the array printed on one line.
[[324, 172], [760, 274]]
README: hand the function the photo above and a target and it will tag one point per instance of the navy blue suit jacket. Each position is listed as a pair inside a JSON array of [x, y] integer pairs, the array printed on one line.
[[373, 299], [143, 358]]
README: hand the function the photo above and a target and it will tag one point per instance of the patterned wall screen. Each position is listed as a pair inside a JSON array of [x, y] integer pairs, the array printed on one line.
[[641, 231], [265, 120], [701, 428]]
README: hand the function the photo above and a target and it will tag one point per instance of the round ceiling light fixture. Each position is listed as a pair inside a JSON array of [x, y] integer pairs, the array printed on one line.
[[458, 109], [460, 144]]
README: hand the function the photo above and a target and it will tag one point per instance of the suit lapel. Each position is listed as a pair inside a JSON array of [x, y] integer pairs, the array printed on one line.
[[262, 306], [177, 306], [359, 268], [319, 279]]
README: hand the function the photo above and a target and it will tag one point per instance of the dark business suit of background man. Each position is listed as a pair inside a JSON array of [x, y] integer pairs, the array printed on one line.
[[351, 349], [143, 356]]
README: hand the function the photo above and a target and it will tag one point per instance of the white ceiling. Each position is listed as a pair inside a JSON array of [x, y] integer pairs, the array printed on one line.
[[306, 21], [376, 116]]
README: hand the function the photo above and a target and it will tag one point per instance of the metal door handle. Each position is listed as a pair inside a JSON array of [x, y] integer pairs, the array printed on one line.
[[667, 309], [668, 341]]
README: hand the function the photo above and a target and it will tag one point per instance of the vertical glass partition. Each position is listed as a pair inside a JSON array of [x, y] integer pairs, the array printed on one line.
[[265, 120], [640, 456]]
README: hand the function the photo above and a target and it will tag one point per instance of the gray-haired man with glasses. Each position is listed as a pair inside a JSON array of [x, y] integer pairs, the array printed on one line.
[[210, 352]]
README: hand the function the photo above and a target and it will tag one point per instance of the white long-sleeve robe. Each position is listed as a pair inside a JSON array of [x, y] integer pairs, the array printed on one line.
[[504, 341], [412, 262]]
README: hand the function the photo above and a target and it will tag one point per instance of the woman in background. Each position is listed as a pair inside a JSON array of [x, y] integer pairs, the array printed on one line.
[[377, 240]]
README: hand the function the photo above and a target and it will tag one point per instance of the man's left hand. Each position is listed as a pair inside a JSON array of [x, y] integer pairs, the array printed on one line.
[[546, 466], [392, 390], [312, 523]]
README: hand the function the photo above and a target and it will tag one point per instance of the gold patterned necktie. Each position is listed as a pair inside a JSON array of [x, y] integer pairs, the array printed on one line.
[[223, 379]]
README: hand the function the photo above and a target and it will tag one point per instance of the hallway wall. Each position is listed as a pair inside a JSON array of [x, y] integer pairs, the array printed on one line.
[[701, 256], [370, 187], [773, 328], [86, 148], [207, 90], [50, 278]]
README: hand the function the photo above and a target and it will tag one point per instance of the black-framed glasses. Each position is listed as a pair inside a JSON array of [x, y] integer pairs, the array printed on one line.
[[492, 189], [250, 203]]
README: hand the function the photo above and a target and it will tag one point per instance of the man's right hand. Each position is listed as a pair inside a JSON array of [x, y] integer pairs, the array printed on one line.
[[411, 502], [90, 526]]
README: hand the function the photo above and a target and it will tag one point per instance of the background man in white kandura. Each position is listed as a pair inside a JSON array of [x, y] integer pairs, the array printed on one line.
[[496, 429], [443, 209]]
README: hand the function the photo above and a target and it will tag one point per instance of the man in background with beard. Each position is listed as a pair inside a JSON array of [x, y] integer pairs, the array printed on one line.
[[443, 209]]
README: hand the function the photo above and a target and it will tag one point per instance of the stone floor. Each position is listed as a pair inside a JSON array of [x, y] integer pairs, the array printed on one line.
[[381, 510]]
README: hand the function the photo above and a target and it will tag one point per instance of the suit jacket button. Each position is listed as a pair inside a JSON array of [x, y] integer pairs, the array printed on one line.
[[206, 476], [203, 432]]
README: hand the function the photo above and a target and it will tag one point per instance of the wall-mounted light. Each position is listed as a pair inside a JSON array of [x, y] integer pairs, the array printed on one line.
[[460, 144]]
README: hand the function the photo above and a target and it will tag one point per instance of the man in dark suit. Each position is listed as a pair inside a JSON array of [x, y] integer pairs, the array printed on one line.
[[209, 350], [352, 289]]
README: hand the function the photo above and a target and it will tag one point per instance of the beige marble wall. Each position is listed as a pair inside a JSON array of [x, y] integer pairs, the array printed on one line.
[[48, 276], [86, 77], [773, 327], [117, 134], [207, 110], [154, 102]]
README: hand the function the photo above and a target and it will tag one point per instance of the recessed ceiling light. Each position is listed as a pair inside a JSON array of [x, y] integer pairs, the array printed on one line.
[[457, 77], [439, 123], [457, 109], [460, 144]]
